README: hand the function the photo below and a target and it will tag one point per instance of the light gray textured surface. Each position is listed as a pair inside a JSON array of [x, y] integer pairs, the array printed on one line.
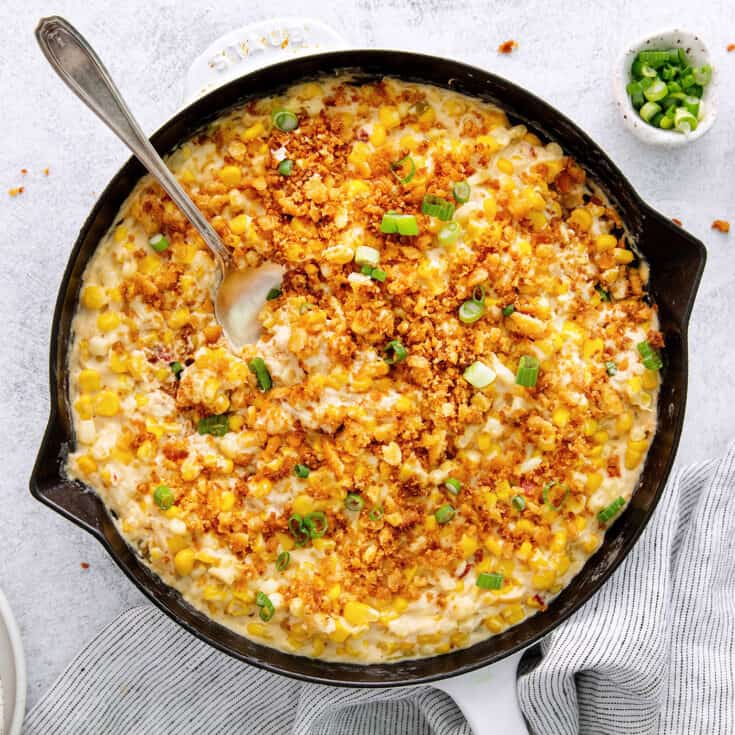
[[566, 50]]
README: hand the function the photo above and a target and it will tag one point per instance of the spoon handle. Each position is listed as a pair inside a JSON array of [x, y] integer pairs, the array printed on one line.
[[78, 65]]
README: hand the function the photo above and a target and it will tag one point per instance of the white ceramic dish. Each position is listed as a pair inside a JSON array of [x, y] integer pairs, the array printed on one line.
[[698, 54], [12, 672]]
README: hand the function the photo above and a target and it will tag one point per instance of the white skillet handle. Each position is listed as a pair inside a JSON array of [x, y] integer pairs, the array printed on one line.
[[255, 46], [488, 698]]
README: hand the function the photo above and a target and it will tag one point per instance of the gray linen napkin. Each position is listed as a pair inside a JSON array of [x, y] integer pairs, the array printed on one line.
[[652, 652]]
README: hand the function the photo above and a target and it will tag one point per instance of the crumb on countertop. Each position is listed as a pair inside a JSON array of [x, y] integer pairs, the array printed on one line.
[[45, 171], [16, 190], [722, 225], [731, 47], [24, 171], [84, 565], [676, 221], [507, 47]]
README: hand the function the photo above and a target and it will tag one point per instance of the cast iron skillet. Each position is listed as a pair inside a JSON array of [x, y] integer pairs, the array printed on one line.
[[676, 260]]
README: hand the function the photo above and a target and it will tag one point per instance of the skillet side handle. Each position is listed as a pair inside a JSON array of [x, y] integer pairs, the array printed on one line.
[[254, 46], [488, 698]]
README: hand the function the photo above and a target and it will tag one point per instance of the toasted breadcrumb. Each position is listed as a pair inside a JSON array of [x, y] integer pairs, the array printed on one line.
[[507, 47], [721, 225]]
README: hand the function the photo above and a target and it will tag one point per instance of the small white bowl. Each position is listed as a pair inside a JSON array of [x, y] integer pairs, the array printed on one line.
[[698, 55], [12, 672]]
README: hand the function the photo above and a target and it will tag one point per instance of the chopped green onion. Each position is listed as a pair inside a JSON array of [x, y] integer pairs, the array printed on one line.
[[655, 59], [159, 242], [471, 311], [163, 497], [266, 607], [449, 233], [518, 502], [657, 119], [657, 91], [479, 375], [419, 108], [354, 502], [645, 83], [527, 374], [375, 514], [394, 352], [285, 121], [365, 255], [316, 523], [283, 560], [635, 91], [461, 192], [650, 357], [604, 295], [285, 167], [444, 514], [508, 310], [681, 55], [176, 368], [691, 104], [648, 71], [611, 510], [378, 274], [274, 293], [217, 425], [399, 166], [298, 529], [696, 90], [649, 110], [674, 87], [306, 306], [489, 581], [611, 368], [687, 81], [435, 206], [302, 471], [262, 376], [667, 123], [399, 224], [453, 485], [547, 490], [669, 72]]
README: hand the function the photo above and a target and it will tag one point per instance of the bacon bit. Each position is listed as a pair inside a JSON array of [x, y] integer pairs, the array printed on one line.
[[722, 225], [16, 190], [676, 221], [45, 171], [507, 47], [540, 600], [84, 565], [24, 171], [731, 46]]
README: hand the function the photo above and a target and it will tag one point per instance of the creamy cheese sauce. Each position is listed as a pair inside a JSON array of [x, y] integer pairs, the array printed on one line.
[[394, 578]]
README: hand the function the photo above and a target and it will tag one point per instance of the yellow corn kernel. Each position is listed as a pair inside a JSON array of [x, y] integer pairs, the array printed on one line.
[[400, 604], [624, 422], [84, 407], [107, 321], [185, 253], [378, 135], [635, 384], [484, 442], [310, 90], [632, 459], [227, 500], [622, 256], [147, 450], [543, 580], [106, 403], [494, 624], [323, 544], [594, 481], [581, 218], [430, 523], [356, 188], [89, 380], [86, 464], [513, 613], [257, 630], [468, 545], [408, 142], [121, 233], [600, 437], [334, 591], [589, 427], [358, 613], [186, 177], [524, 247], [230, 175], [184, 562], [149, 265], [606, 242], [538, 220], [525, 550], [239, 224], [559, 541], [590, 543], [303, 504], [532, 139], [254, 131], [179, 317], [93, 297], [638, 446], [560, 417], [189, 469], [494, 545], [340, 634], [214, 593], [561, 566], [389, 117], [592, 347], [505, 166], [650, 380]]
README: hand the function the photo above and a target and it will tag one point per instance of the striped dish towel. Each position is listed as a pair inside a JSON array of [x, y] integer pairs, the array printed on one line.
[[653, 652]]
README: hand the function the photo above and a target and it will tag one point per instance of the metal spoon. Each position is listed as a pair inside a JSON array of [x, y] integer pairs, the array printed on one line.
[[239, 295]]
